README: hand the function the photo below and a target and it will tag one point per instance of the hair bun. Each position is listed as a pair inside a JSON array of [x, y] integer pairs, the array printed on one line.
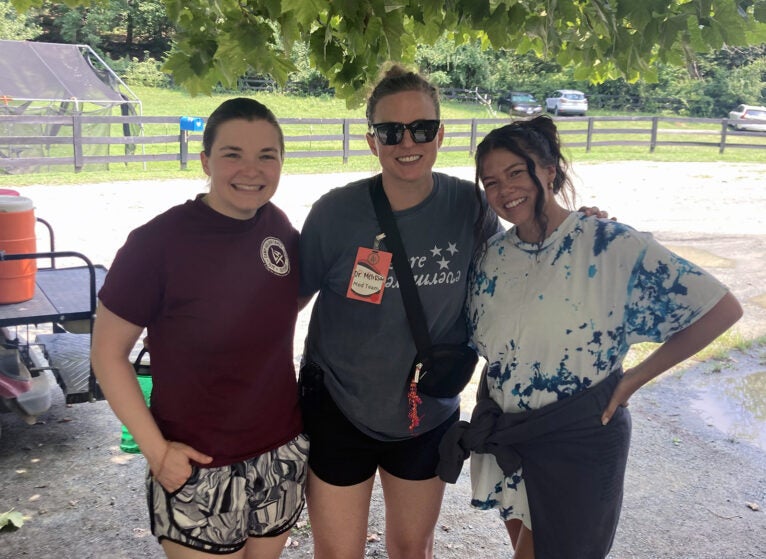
[[395, 70]]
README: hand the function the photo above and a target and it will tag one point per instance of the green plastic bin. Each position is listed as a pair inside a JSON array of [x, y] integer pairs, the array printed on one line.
[[127, 443]]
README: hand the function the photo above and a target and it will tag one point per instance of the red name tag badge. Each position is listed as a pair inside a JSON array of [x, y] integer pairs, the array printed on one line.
[[368, 278]]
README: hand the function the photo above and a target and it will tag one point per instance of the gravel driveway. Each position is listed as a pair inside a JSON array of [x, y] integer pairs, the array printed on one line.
[[693, 485]]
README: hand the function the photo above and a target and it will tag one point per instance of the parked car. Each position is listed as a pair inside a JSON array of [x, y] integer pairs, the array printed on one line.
[[567, 102], [739, 118], [519, 103]]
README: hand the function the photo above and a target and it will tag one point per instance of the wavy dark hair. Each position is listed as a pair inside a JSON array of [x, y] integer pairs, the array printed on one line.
[[539, 137]]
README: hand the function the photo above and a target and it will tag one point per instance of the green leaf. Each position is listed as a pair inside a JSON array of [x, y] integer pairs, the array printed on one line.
[[497, 28], [650, 75], [173, 9], [306, 11], [11, 520], [582, 72]]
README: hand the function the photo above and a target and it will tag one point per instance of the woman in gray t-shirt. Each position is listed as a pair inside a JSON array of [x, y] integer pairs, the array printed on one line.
[[363, 345]]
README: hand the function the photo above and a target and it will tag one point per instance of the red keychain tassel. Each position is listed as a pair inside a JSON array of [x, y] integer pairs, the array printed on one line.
[[413, 399]]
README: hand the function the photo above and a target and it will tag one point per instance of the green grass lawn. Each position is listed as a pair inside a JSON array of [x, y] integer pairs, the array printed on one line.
[[176, 103]]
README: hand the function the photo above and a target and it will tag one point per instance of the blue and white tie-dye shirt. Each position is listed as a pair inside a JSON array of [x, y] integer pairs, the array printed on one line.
[[555, 321]]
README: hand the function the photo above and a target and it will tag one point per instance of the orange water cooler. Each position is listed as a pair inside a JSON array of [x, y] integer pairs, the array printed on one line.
[[17, 235]]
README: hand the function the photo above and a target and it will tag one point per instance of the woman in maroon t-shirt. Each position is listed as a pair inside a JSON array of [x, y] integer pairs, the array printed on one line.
[[215, 283]]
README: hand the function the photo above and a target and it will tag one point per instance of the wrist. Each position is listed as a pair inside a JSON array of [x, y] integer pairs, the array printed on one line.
[[155, 456]]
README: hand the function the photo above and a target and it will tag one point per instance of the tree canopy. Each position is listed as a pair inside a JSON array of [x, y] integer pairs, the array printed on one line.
[[218, 41], [13, 26]]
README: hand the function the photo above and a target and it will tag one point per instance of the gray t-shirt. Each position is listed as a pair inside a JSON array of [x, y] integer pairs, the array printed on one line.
[[365, 349]]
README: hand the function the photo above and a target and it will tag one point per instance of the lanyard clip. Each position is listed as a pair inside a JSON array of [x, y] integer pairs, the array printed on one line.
[[376, 243], [416, 377]]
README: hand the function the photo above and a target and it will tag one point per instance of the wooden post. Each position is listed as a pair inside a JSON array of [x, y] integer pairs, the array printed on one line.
[[346, 140], [77, 142], [724, 131], [183, 140], [653, 141]]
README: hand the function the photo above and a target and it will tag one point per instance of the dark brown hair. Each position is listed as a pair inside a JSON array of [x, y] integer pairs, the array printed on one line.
[[239, 108], [539, 137]]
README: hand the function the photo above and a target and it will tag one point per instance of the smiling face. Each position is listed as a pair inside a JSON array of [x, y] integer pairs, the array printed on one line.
[[244, 166], [406, 162], [512, 192]]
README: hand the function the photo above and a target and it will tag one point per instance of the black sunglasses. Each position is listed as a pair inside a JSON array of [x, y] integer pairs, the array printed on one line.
[[392, 133]]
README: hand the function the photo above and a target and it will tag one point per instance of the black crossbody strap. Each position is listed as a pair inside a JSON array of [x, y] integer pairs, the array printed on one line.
[[412, 305]]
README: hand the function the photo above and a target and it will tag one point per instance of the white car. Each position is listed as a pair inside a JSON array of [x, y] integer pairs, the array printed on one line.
[[567, 102], [740, 118]]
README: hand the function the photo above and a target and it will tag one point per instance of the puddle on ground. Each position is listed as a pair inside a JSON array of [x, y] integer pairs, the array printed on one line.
[[735, 406]]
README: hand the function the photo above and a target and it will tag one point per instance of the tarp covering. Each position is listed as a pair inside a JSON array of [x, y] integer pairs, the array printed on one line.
[[51, 79], [50, 72]]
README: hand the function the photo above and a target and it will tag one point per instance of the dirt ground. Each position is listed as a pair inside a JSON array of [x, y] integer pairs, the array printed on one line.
[[696, 481]]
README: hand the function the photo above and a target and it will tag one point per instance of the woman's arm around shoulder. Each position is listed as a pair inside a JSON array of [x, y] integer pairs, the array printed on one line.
[[678, 347]]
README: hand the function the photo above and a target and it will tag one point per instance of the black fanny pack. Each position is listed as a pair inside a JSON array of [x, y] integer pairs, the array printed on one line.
[[448, 371]]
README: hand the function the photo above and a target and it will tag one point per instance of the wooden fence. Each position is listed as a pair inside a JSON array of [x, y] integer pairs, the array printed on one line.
[[64, 140]]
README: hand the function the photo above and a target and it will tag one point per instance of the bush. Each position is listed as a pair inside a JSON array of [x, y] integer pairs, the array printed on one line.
[[439, 79], [146, 72], [701, 107], [306, 80]]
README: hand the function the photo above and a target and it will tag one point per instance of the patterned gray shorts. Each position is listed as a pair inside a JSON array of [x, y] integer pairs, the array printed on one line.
[[217, 509]]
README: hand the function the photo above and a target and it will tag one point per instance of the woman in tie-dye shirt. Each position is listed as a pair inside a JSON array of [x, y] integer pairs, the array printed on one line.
[[555, 303]]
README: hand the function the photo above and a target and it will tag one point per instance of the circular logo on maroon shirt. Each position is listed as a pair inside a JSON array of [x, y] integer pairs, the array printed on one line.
[[274, 256]]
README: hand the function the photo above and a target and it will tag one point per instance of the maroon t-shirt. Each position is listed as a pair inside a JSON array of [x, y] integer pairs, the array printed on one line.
[[219, 299]]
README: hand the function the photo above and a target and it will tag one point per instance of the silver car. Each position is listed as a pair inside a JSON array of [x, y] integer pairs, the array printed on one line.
[[741, 117], [567, 102]]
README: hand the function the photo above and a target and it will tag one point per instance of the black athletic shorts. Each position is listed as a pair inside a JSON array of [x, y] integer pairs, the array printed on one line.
[[340, 454]]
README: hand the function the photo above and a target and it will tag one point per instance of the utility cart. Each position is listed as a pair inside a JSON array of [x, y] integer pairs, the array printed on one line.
[[59, 317]]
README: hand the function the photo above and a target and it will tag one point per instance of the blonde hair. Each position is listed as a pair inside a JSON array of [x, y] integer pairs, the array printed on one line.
[[395, 78]]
